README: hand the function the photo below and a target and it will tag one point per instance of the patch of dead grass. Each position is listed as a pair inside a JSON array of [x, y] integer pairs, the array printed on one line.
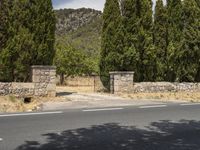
[[168, 96], [13, 104]]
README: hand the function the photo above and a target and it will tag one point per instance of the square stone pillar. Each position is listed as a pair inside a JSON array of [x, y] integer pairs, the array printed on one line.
[[121, 82], [44, 78]]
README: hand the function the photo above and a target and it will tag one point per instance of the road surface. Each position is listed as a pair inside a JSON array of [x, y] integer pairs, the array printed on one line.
[[150, 127]]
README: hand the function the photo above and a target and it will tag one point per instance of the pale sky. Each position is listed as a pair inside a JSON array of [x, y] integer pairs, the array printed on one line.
[[95, 4]]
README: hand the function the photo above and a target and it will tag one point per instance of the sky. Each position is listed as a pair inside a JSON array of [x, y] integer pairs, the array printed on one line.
[[95, 4]]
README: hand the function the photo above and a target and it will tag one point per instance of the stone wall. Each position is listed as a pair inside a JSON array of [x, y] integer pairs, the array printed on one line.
[[153, 87], [43, 84], [123, 82]]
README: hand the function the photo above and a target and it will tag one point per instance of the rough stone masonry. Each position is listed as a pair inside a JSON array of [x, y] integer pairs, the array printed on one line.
[[43, 84], [123, 82]]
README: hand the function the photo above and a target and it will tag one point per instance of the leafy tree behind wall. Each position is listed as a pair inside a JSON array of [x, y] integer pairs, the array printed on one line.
[[109, 60], [71, 62]]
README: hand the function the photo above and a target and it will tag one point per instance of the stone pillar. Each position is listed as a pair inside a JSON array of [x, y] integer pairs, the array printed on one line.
[[121, 82], [44, 78]]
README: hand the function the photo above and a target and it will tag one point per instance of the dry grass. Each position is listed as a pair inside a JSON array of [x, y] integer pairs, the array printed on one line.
[[13, 104], [183, 96]]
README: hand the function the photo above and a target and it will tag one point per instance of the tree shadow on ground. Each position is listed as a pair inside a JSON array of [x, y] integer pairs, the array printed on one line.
[[163, 135], [64, 93]]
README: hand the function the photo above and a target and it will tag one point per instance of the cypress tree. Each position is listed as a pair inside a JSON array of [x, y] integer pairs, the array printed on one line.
[[175, 27], [147, 62], [31, 30], [189, 55], [109, 60], [5, 8], [17, 52], [43, 28], [3, 34], [198, 2], [138, 23], [3, 23], [197, 77], [161, 39], [129, 21]]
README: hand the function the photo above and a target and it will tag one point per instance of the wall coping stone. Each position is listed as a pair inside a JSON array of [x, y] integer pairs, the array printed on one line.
[[121, 72], [43, 67]]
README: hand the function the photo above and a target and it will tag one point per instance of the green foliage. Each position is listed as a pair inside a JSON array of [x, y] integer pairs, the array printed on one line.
[[189, 54], [138, 23], [43, 26], [4, 11], [129, 33], [109, 60], [3, 22], [161, 39], [30, 28], [71, 62], [175, 28]]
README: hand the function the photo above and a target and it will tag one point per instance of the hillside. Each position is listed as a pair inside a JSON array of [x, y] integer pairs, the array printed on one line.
[[81, 28], [69, 20]]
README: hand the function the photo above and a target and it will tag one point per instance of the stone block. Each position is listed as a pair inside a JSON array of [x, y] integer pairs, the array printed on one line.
[[121, 81], [51, 93], [51, 87]]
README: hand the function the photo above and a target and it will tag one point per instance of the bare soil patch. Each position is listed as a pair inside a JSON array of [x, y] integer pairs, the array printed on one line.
[[75, 89]]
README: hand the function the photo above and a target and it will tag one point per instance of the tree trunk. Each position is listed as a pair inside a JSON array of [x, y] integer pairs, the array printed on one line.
[[62, 78]]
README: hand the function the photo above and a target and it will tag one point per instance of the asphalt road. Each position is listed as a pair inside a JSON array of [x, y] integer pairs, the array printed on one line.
[[158, 127]]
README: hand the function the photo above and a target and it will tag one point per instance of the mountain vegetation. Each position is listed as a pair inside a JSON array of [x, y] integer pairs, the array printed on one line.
[[78, 31]]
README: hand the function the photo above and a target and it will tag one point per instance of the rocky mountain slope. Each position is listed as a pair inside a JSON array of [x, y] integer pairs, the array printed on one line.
[[69, 20]]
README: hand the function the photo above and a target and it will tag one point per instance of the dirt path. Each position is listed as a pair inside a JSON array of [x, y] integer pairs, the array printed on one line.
[[95, 100]]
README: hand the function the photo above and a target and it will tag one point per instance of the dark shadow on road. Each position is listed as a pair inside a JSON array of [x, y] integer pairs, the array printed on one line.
[[163, 135], [64, 93]]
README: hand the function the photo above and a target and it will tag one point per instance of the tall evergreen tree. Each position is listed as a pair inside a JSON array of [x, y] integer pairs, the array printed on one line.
[[147, 62], [109, 60], [129, 21], [5, 8], [175, 28], [197, 77], [189, 54], [31, 30], [43, 29], [3, 23], [161, 39], [138, 23], [20, 46]]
